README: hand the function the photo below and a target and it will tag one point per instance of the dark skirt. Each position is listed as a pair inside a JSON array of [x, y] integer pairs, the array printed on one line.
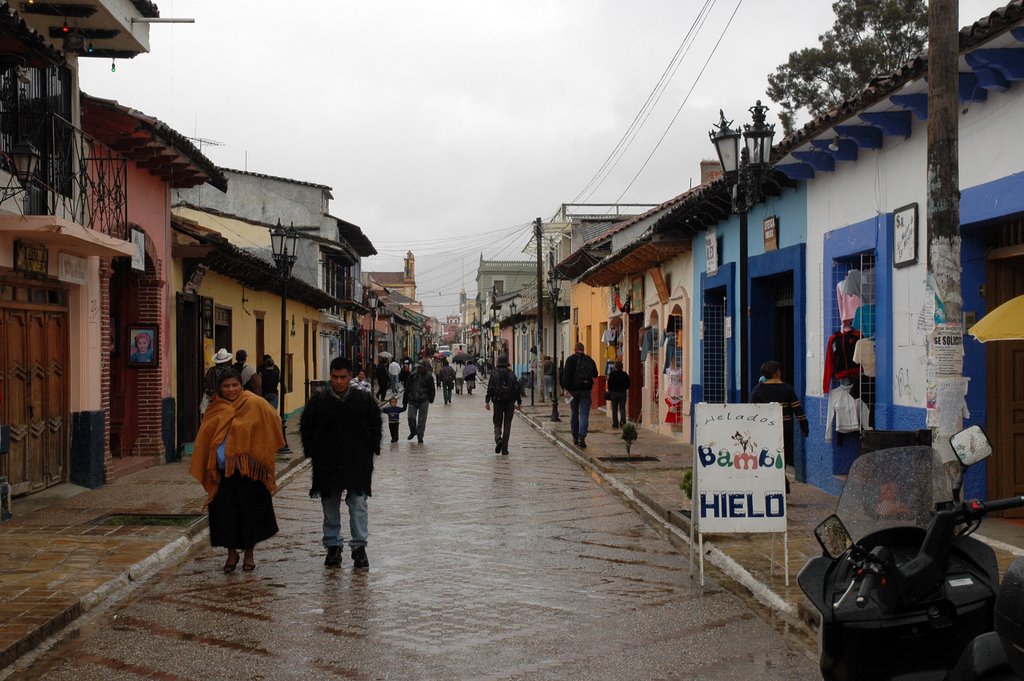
[[242, 514]]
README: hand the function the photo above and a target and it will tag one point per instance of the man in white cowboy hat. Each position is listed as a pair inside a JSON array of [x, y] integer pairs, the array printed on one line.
[[221, 363]]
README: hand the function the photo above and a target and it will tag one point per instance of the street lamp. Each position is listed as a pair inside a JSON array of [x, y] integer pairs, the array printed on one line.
[[25, 160], [746, 169], [512, 325], [283, 243], [394, 337], [556, 327], [372, 300]]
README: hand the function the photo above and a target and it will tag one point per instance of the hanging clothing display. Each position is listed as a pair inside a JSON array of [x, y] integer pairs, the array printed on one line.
[[839, 361], [848, 303], [648, 342], [864, 319], [674, 395], [843, 411]]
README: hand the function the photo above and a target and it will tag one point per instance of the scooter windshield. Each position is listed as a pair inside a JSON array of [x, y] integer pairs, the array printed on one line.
[[897, 487]]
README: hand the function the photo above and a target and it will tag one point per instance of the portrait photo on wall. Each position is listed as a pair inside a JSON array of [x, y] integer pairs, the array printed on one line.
[[142, 346]]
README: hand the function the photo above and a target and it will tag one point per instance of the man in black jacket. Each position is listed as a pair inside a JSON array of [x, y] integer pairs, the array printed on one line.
[[578, 376], [418, 396], [341, 430], [504, 391]]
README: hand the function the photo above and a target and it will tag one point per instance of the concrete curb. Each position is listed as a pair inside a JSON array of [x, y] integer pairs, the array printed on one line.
[[669, 522], [51, 633]]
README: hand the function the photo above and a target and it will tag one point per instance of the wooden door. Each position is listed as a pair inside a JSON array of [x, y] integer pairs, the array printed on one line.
[[190, 366], [33, 365], [1005, 396]]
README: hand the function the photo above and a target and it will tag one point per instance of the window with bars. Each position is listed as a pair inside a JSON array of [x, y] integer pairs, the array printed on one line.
[[714, 353], [853, 309]]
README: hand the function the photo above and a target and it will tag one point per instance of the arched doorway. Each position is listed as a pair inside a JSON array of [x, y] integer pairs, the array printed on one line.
[[675, 361], [652, 374]]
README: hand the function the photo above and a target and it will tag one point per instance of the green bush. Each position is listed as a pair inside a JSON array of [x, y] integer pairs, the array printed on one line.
[[686, 484], [629, 434]]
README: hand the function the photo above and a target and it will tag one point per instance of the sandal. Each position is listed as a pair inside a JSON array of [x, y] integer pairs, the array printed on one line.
[[230, 565], [249, 567]]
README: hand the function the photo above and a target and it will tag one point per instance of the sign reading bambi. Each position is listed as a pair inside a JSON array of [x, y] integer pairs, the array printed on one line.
[[739, 468]]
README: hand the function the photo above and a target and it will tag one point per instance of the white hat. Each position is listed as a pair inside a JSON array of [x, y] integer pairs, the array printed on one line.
[[222, 356]]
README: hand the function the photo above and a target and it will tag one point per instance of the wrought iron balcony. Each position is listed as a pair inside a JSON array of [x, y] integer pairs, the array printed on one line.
[[78, 178]]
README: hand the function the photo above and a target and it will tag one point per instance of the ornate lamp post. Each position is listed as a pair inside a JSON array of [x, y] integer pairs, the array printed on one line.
[[556, 292], [746, 170], [283, 243], [372, 300]]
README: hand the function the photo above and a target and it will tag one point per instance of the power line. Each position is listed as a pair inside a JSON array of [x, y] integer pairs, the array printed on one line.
[[683, 103], [652, 99]]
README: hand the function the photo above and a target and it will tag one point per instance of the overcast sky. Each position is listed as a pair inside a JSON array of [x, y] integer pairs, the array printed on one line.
[[446, 127]]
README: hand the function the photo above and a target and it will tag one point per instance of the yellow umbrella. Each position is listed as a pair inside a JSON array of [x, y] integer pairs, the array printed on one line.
[[1006, 322]]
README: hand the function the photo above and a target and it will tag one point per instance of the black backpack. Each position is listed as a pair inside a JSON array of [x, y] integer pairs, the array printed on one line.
[[586, 372], [506, 388]]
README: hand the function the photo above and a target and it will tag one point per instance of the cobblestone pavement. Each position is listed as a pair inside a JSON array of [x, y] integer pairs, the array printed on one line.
[[482, 567]]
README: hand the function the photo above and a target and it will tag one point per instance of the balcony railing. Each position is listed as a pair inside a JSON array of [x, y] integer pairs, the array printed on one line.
[[78, 177]]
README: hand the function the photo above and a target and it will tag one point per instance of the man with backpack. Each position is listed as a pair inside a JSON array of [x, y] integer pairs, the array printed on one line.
[[578, 375], [504, 391]]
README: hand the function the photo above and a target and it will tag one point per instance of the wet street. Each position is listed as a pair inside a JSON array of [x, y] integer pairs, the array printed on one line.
[[481, 567]]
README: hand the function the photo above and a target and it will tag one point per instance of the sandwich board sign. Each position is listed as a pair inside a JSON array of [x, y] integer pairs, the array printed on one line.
[[739, 473]]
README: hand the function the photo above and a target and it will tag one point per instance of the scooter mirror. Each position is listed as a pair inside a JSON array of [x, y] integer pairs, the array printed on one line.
[[971, 445], [833, 536]]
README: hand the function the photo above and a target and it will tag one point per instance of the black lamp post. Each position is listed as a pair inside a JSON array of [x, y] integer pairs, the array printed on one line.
[[372, 300], [394, 337], [512, 326], [746, 170], [283, 243], [556, 328]]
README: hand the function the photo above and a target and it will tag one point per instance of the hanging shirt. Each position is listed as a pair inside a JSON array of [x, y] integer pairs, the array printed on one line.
[[839, 361], [648, 343], [848, 303], [864, 319], [843, 411], [864, 355]]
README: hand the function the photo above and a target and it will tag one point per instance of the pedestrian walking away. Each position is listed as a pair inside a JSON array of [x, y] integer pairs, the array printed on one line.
[[383, 377], [618, 386], [469, 377], [393, 410], [773, 389], [251, 379], [418, 396], [504, 392], [394, 371], [341, 430], [270, 379], [234, 460], [578, 374], [447, 376]]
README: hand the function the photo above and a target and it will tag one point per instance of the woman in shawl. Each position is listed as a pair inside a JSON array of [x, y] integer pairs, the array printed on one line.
[[234, 460]]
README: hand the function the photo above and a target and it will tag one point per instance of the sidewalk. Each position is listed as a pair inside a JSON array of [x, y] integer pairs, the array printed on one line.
[[59, 560], [653, 486]]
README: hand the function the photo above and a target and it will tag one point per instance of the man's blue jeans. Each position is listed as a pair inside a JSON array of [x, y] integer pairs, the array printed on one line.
[[580, 420], [358, 519]]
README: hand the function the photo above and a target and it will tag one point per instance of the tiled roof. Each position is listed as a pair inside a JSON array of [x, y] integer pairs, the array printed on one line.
[[385, 278], [133, 134], [280, 179], [354, 235], [147, 8]]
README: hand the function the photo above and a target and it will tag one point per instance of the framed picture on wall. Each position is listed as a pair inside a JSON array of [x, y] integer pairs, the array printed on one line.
[[904, 237], [142, 345]]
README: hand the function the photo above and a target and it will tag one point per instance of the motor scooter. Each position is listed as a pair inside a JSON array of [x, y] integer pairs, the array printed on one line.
[[905, 593]]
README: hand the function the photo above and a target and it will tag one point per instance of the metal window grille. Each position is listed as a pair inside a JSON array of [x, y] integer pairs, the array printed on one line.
[[864, 320], [714, 364]]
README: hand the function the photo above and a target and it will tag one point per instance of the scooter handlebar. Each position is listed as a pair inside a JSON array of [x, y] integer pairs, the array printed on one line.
[[1002, 504], [867, 585]]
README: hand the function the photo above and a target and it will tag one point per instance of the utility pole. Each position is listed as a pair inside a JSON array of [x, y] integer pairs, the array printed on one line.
[[946, 385], [537, 234]]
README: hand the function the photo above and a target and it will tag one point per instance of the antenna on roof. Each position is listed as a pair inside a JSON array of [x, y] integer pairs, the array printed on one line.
[[201, 141]]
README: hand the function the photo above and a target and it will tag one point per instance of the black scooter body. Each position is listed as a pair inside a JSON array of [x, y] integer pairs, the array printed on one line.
[[882, 642]]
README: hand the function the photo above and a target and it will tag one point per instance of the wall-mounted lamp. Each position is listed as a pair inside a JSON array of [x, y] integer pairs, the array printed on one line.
[[22, 163], [293, 325]]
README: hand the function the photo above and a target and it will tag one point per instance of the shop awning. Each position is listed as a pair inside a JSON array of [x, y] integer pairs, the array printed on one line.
[[63, 235], [637, 257]]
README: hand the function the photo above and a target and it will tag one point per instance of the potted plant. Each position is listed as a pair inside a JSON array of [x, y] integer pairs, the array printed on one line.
[[629, 434]]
